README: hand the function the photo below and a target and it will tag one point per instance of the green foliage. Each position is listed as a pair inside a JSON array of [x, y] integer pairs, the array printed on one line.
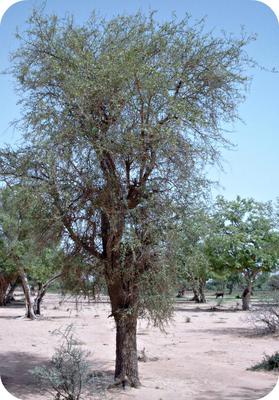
[[244, 239], [68, 373], [156, 293], [269, 363], [192, 262], [30, 234]]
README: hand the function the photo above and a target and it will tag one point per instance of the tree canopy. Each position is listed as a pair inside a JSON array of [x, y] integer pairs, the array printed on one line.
[[245, 239]]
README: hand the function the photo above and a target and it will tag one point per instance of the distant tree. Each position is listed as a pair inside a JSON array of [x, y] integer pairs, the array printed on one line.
[[192, 263], [245, 240], [28, 233], [119, 119]]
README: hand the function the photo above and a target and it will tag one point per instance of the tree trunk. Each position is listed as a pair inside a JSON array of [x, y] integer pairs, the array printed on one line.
[[123, 298], [123, 289], [10, 292], [196, 297], [201, 292], [29, 302], [246, 297], [126, 363], [4, 286], [42, 289], [38, 299]]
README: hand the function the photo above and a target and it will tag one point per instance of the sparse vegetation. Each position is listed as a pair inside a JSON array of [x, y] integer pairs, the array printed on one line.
[[269, 363], [265, 319], [68, 373]]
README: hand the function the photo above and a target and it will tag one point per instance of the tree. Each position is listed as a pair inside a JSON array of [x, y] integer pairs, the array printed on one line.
[[45, 268], [245, 240], [119, 119], [192, 262], [29, 236]]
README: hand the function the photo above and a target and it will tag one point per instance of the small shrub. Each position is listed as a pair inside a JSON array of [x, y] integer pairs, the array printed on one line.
[[265, 320], [269, 363], [144, 358], [187, 320], [68, 374]]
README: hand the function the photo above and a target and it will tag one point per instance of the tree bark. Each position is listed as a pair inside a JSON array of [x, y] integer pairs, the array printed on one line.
[[42, 289], [10, 292], [201, 292], [4, 286], [29, 301], [126, 362], [123, 295], [196, 297], [38, 299], [246, 298]]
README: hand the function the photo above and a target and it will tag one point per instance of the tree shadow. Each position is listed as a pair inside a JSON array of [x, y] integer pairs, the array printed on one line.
[[15, 372], [189, 309], [243, 393], [14, 304], [207, 309], [239, 332]]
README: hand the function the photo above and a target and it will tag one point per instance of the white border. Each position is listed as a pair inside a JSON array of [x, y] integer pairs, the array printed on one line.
[[274, 5], [4, 5]]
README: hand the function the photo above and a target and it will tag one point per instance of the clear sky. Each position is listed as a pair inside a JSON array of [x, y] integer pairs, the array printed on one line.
[[251, 170]]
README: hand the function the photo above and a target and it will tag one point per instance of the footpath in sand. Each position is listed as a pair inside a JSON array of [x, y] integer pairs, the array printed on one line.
[[204, 359]]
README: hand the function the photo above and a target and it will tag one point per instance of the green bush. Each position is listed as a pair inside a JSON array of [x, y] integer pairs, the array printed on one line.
[[68, 373], [269, 363]]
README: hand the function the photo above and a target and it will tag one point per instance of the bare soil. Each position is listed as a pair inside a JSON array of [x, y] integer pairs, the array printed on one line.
[[204, 359]]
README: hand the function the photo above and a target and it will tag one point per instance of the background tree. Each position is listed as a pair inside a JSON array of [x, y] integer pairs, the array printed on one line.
[[119, 119], [192, 263], [28, 235], [245, 240]]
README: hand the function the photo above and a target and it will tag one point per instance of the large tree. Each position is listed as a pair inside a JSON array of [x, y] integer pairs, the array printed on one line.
[[119, 119], [244, 241]]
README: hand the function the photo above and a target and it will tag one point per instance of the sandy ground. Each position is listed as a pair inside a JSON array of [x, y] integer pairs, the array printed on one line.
[[204, 359]]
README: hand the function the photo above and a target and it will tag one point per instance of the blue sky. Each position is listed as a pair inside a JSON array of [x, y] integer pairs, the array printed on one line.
[[251, 170]]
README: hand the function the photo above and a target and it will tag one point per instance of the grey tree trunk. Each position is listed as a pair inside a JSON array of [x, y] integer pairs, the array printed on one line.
[[4, 286], [196, 297], [246, 298], [29, 301], [10, 292], [38, 299], [201, 292], [42, 289]]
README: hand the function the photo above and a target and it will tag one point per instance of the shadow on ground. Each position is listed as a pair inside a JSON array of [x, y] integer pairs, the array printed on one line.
[[244, 393], [15, 373]]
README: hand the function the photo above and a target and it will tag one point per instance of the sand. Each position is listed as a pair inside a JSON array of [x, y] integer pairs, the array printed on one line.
[[204, 359]]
